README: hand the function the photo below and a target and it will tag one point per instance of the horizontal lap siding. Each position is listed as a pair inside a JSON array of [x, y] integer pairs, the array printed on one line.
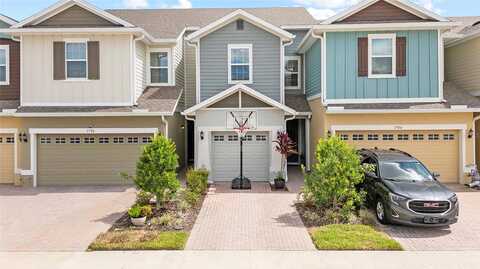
[[421, 79], [190, 74], [214, 60], [291, 50], [313, 65], [462, 65], [12, 90], [140, 68]]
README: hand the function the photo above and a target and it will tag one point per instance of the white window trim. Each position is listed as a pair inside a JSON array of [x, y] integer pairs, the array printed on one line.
[[169, 56], [250, 63], [70, 41], [299, 77], [7, 64], [393, 37]]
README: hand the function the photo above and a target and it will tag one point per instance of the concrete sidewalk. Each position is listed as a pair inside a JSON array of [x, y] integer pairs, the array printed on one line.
[[241, 259]]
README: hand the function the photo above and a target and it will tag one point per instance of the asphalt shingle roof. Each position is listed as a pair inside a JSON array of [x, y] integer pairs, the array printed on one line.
[[470, 25], [169, 23]]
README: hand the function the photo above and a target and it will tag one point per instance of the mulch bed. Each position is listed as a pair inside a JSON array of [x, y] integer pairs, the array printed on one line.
[[188, 218]]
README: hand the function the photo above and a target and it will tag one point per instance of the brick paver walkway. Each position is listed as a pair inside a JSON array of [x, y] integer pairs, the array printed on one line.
[[249, 220], [464, 235]]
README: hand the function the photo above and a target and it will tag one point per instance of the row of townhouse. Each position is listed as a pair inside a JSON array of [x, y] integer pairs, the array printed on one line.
[[82, 89]]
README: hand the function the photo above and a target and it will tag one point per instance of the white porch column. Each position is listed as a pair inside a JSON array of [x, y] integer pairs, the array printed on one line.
[[33, 157], [307, 143]]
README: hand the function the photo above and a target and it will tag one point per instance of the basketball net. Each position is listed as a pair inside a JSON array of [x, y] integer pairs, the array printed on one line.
[[242, 127]]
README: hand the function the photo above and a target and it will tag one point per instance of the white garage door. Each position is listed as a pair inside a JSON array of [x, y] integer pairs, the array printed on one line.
[[226, 156]]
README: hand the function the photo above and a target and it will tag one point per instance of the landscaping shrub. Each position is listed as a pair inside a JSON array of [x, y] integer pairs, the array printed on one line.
[[135, 212], [197, 180], [156, 169], [191, 197], [146, 210], [143, 198], [331, 184]]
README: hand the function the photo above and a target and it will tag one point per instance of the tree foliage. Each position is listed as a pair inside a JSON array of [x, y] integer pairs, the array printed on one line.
[[331, 185], [285, 146]]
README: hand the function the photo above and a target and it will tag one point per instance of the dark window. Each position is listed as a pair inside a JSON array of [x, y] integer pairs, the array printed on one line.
[[240, 25]]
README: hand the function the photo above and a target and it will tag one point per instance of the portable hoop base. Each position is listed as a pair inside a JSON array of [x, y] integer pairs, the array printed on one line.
[[241, 184]]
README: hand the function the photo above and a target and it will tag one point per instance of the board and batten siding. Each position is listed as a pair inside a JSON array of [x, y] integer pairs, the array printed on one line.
[[462, 65], [214, 60], [113, 87], [421, 80], [140, 68], [313, 67]]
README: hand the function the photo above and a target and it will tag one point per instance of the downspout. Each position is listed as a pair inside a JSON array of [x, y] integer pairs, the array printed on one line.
[[134, 77], [474, 140], [165, 122], [322, 65], [282, 69]]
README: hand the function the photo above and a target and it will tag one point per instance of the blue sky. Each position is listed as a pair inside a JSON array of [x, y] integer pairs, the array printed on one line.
[[20, 9]]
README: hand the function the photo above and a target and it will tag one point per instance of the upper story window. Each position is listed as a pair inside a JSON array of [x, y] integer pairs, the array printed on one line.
[[381, 55], [76, 60], [4, 65], [292, 72], [160, 66], [240, 63]]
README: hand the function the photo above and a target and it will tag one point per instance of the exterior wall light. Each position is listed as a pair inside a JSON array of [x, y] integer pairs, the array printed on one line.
[[470, 133], [202, 135]]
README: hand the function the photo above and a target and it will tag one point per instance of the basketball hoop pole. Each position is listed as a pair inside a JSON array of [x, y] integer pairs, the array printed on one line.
[[241, 182]]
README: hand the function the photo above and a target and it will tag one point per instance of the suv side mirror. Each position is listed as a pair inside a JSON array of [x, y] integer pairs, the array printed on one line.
[[435, 174]]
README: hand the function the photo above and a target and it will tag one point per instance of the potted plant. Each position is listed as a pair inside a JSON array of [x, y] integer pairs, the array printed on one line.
[[138, 214], [285, 146]]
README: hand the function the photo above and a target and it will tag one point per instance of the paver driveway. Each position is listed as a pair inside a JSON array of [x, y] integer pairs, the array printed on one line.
[[58, 218], [249, 220], [464, 235]]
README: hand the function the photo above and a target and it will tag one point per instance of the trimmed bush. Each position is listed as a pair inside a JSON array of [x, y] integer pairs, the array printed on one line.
[[143, 198], [331, 185], [197, 180]]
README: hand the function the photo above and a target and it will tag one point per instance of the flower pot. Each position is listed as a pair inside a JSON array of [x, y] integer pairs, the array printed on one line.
[[279, 183], [138, 221]]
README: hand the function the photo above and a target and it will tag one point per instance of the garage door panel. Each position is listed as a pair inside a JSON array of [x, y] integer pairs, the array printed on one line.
[[437, 149], [226, 157], [99, 163], [7, 158]]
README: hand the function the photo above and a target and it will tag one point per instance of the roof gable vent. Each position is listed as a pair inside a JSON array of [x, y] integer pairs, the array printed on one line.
[[240, 25]]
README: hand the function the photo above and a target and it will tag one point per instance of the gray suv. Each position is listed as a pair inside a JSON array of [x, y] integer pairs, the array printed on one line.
[[403, 191]]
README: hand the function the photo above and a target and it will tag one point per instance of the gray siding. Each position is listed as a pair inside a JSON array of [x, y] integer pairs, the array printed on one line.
[[214, 63], [179, 71], [299, 35], [75, 17], [190, 74], [4, 25]]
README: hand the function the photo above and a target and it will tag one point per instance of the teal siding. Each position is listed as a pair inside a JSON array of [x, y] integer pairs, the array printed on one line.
[[313, 65], [422, 68]]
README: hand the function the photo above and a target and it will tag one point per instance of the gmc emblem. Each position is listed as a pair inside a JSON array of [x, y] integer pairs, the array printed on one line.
[[431, 204]]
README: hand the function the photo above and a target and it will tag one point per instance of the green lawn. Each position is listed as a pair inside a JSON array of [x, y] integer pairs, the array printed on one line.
[[352, 237], [140, 240]]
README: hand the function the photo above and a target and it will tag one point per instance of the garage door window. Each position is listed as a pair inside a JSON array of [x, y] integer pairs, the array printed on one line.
[[89, 140], [357, 137], [74, 140], [60, 140], [232, 138], [10, 140], [118, 140], [218, 138], [448, 137], [402, 137], [132, 140], [146, 140], [248, 137], [261, 138], [104, 140], [45, 140], [417, 137], [372, 137], [343, 137], [433, 137], [387, 137]]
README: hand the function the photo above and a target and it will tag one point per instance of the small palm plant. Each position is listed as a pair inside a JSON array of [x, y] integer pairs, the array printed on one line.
[[286, 147]]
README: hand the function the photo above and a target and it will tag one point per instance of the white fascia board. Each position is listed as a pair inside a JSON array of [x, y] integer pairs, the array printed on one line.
[[233, 90], [91, 114], [72, 30], [400, 111], [239, 14], [65, 4], [461, 39], [386, 26], [7, 20], [383, 100], [405, 5], [92, 130], [297, 27]]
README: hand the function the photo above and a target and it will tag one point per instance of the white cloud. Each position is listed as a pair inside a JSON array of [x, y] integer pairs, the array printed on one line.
[[179, 4], [430, 5], [135, 3], [327, 4], [320, 13]]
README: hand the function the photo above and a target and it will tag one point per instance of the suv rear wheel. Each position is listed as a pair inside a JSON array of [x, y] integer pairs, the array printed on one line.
[[380, 212]]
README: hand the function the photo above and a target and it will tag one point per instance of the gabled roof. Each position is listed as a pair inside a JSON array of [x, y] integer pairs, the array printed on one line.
[[403, 4], [234, 89], [7, 20], [65, 4], [240, 14], [170, 23], [469, 29]]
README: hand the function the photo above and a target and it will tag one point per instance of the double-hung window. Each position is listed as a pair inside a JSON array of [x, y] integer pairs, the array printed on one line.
[[160, 66], [240, 63], [381, 55], [4, 65], [292, 72], [76, 60]]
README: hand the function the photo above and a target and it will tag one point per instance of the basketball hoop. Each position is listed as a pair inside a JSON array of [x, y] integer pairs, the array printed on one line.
[[241, 131], [241, 121]]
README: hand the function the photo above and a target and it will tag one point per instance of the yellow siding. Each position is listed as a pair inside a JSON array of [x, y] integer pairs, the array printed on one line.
[[462, 65]]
